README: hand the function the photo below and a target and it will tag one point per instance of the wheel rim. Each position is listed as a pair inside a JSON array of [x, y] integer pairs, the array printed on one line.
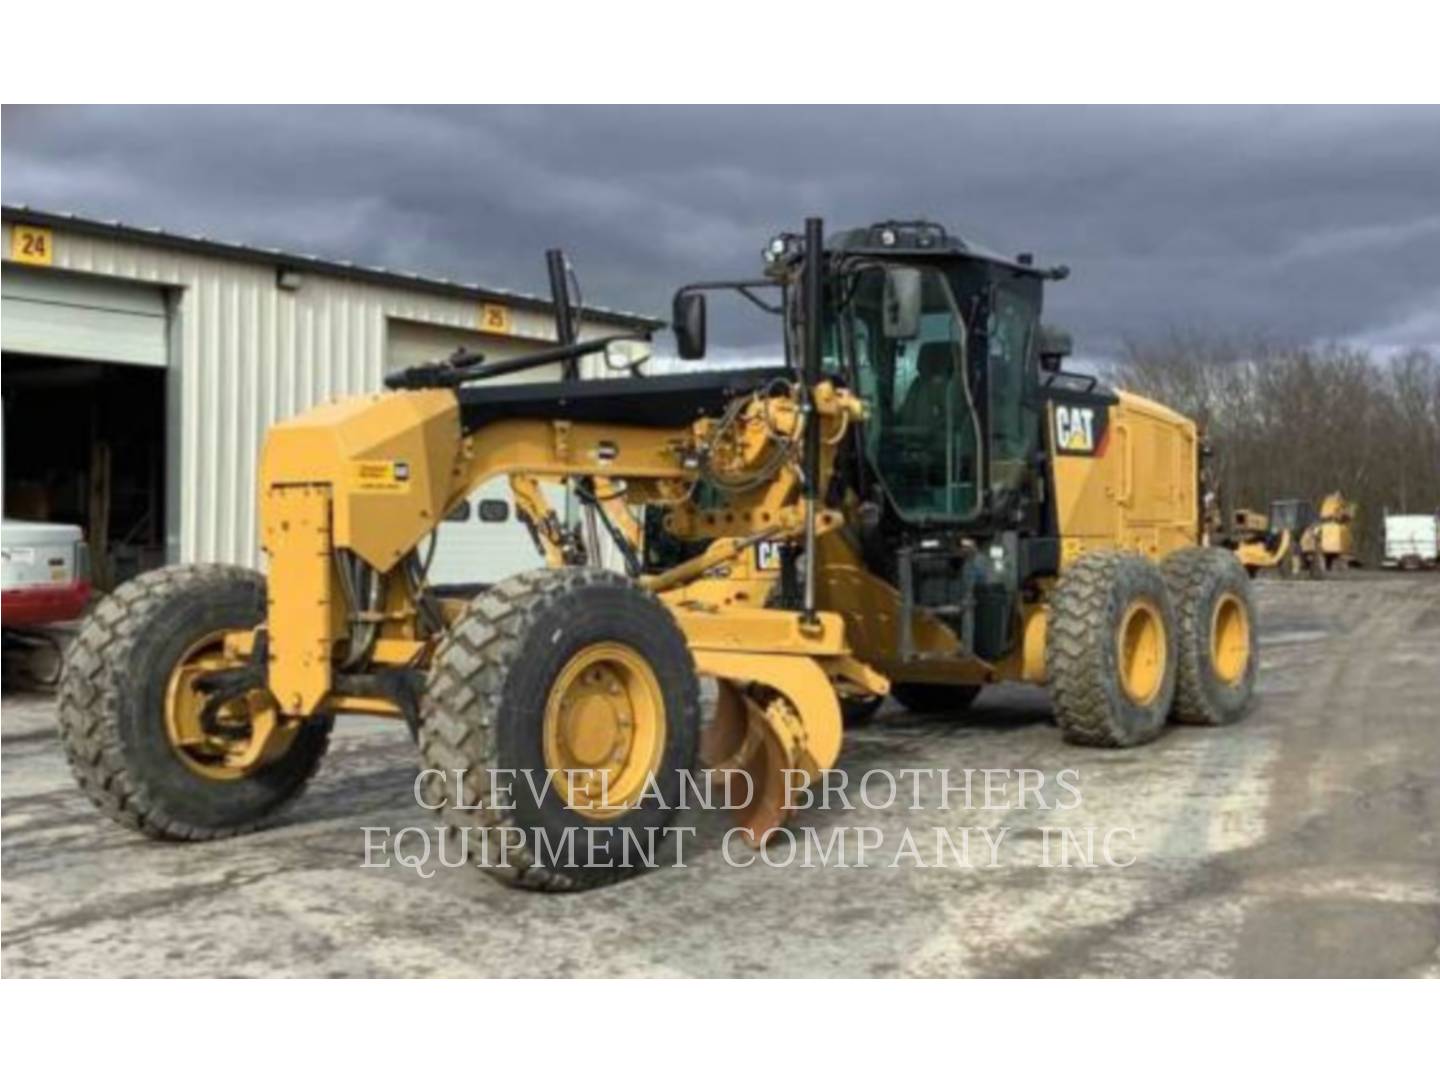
[[1141, 650], [604, 729], [247, 731], [1230, 639]]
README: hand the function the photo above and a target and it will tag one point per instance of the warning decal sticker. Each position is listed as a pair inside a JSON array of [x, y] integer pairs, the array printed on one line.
[[387, 476]]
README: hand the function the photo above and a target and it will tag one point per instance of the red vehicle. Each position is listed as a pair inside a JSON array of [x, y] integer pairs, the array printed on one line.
[[45, 573], [46, 584]]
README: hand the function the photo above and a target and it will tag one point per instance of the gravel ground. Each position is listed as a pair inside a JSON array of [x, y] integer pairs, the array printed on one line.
[[1302, 842]]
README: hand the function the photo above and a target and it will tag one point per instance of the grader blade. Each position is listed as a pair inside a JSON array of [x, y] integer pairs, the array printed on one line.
[[767, 811], [723, 742], [741, 741], [777, 722]]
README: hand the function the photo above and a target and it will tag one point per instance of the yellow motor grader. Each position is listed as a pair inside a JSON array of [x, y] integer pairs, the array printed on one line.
[[919, 502]]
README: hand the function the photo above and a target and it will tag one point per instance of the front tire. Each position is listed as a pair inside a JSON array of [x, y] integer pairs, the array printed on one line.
[[1216, 627], [560, 675], [1110, 650], [115, 698]]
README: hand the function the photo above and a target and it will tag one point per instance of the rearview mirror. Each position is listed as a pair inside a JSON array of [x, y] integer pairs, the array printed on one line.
[[902, 303], [689, 324], [1055, 345]]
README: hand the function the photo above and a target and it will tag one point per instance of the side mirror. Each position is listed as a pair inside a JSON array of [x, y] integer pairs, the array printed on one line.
[[689, 323], [902, 303], [1055, 346], [494, 511]]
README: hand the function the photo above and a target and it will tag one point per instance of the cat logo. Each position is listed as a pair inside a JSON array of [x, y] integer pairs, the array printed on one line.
[[1075, 429], [767, 555]]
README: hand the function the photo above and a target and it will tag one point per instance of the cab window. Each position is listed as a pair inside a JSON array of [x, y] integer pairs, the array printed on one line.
[[921, 437], [1010, 348]]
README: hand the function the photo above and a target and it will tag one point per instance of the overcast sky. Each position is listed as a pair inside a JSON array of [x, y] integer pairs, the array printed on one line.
[[1294, 223]]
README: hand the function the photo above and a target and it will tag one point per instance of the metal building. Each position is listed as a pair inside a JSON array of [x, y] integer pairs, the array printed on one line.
[[141, 369]]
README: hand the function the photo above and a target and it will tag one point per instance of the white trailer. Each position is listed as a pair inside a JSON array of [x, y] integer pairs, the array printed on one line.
[[1412, 541]]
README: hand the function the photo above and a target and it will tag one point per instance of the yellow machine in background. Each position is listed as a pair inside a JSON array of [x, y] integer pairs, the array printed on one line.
[[1328, 544], [1257, 545], [919, 503], [1293, 539]]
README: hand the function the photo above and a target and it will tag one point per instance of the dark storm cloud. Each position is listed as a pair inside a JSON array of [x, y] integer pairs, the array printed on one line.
[[1321, 223]]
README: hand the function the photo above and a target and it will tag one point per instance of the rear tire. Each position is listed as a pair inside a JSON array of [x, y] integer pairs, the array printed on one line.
[[113, 699], [1216, 628], [934, 699], [488, 707], [1110, 650]]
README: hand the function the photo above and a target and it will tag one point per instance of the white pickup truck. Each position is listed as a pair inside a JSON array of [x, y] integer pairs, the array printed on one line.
[[1412, 541]]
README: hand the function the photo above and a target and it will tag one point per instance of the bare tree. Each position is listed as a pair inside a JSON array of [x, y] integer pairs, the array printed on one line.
[[1298, 421]]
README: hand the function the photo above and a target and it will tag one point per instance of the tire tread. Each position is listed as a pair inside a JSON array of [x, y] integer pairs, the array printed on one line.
[[462, 702], [97, 679], [1079, 622], [1187, 573]]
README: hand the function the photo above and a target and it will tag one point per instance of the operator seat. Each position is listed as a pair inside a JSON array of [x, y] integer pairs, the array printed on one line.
[[921, 447], [924, 404]]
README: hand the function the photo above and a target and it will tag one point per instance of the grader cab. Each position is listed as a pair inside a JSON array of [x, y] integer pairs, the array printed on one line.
[[919, 502]]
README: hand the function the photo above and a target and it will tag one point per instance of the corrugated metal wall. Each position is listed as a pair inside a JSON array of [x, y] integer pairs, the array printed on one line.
[[245, 353]]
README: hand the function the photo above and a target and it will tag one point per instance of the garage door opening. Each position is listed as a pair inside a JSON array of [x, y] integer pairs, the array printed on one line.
[[85, 445]]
